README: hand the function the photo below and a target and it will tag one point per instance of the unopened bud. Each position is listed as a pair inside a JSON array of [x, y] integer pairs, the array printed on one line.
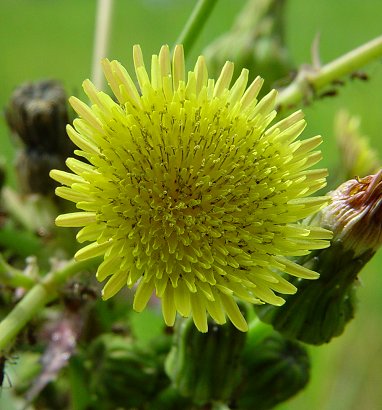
[[205, 366], [275, 369], [124, 375], [37, 115], [321, 309], [171, 399]]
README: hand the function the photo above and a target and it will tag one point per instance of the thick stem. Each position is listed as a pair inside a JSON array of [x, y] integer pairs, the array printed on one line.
[[312, 80], [195, 24], [34, 301]]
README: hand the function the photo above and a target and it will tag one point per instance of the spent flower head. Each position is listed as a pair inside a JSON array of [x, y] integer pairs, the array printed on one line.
[[188, 192]]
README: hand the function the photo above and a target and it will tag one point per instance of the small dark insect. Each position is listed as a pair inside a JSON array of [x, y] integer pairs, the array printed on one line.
[[359, 75], [3, 359], [338, 82], [329, 93], [3, 374]]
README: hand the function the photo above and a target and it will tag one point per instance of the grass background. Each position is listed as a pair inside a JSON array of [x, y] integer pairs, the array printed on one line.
[[53, 39]]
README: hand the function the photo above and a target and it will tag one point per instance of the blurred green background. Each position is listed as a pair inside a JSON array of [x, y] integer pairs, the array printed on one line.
[[53, 39]]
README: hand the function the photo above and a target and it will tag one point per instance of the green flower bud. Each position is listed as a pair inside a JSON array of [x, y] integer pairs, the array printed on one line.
[[170, 399], [124, 375], [205, 366], [275, 369], [321, 309]]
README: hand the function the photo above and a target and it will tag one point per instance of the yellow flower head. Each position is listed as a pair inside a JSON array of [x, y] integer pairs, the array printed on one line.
[[187, 193]]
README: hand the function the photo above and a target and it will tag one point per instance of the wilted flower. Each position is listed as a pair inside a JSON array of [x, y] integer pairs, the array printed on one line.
[[187, 193]]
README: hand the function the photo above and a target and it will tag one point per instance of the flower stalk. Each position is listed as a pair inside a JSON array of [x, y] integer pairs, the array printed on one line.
[[101, 39], [195, 24], [310, 81]]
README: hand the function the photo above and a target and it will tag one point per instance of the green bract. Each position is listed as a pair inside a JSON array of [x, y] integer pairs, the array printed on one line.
[[187, 192]]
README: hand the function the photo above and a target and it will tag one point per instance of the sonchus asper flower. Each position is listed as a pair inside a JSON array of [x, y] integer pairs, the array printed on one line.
[[187, 192]]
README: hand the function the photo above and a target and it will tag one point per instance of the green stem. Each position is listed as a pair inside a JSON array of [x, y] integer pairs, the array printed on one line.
[[312, 80], [195, 24], [34, 301], [101, 39], [13, 277]]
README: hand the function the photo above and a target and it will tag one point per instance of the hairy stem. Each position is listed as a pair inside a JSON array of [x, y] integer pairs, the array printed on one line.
[[195, 24], [309, 81]]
